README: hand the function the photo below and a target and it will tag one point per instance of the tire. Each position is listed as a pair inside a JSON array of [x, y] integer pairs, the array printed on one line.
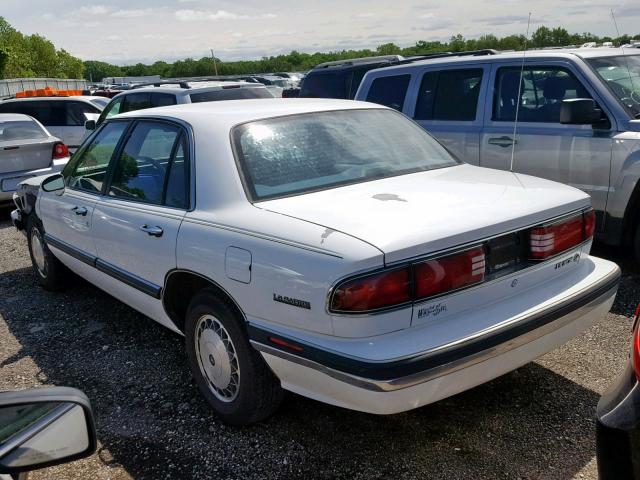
[[229, 372], [50, 273]]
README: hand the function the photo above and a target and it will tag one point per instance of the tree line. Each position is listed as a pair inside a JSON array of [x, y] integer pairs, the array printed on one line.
[[299, 61], [35, 56]]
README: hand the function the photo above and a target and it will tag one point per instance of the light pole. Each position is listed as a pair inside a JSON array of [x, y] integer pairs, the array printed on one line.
[[215, 67]]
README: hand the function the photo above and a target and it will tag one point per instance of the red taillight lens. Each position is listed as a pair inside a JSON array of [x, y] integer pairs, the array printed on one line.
[[550, 240], [60, 150], [449, 273], [635, 344], [589, 224], [373, 291]]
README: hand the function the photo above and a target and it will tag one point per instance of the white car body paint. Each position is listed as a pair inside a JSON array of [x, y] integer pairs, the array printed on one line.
[[300, 247]]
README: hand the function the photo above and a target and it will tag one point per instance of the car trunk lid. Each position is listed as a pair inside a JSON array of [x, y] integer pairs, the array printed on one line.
[[421, 213], [25, 155]]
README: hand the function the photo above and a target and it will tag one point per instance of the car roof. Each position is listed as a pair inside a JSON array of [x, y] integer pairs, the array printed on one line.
[[550, 53], [198, 86], [228, 113], [15, 117], [82, 98]]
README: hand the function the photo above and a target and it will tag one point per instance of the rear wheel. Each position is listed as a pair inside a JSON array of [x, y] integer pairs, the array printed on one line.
[[230, 373], [50, 273]]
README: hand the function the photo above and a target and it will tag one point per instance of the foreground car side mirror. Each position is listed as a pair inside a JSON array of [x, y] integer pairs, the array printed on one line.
[[44, 427], [54, 183], [580, 111], [90, 125]]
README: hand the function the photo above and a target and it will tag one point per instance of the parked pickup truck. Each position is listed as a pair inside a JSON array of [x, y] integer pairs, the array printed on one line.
[[578, 119], [328, 247]]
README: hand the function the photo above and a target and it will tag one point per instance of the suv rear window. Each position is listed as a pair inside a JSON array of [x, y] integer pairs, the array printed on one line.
[[449, 95], [316, 151], [389, 91], [234, 93]]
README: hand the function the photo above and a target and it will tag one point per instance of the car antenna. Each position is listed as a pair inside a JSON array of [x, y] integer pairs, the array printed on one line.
[[626, 61], [515, 123]]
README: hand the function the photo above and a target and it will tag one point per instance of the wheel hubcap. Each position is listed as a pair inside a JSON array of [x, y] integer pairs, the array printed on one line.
[[217, 358], [37, 249]]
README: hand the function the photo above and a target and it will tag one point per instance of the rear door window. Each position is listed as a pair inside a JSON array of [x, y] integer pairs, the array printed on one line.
[[326, 85], [449, 95], [89, 169], [75, 113], [230, 94], [389, 91]]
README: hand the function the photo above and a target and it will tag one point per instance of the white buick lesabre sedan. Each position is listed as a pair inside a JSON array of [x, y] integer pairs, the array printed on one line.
[[331, 248]]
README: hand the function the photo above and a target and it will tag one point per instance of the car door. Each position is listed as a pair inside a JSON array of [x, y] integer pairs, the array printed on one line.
[[68, 217], [136, 222], [578, 155], [449, 103]]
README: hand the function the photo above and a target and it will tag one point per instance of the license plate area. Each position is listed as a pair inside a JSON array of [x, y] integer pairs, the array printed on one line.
[[506, 253]]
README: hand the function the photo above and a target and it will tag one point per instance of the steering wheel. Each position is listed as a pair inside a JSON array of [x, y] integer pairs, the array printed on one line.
[[626, 95]]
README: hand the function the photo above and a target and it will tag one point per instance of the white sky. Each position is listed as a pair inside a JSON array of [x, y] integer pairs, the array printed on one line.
[[131, 31]]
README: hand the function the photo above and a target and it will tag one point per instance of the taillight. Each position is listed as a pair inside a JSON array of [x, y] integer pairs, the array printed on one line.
[[449, 273], [635, 344], [373, 291], [549, 240], [409, 283], [60, 150]]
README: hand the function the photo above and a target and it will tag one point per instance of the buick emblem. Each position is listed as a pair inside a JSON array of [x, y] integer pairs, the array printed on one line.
[[514, 283]]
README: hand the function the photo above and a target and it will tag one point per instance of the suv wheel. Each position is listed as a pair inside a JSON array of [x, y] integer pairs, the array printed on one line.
[[50, 273], [231, 375]]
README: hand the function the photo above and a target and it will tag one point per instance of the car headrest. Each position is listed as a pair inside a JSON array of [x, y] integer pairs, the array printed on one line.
[[554, 88]]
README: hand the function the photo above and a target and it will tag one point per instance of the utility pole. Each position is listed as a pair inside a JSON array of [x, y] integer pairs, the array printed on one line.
[[215, 67]]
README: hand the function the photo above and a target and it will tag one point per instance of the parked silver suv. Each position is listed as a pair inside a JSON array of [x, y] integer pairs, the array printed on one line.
[[578, 119]]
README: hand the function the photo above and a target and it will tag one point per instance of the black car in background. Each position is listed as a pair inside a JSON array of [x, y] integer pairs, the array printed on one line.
[[618, 420]]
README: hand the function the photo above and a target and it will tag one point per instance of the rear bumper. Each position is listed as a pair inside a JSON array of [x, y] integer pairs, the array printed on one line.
[[618, 429], [397, 385]]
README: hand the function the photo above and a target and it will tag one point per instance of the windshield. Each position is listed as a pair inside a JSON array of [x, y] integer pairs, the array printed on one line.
[[290, 155], [20, 130], [622, 76]]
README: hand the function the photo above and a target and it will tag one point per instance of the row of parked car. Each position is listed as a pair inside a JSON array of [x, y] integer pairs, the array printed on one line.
[[351, 253]]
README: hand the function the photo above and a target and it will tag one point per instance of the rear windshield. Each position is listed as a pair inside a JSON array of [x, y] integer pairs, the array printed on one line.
[[290, 155], [238, 93], [20, 130]]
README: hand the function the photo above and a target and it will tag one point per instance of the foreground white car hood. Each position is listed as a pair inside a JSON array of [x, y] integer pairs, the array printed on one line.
[[425, 212]]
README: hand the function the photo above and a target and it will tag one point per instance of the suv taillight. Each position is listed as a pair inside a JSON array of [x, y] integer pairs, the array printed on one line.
[[635, 344], [549, 240], [60, 150], [409, 283]]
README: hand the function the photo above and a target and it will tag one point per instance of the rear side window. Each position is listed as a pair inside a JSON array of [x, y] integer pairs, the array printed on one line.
[[325, 85], [146, 163], [162, 99], [541, 89], [230, 94], [449, 95], [89, 169], [389, 91], [48, 113], [135, 101]]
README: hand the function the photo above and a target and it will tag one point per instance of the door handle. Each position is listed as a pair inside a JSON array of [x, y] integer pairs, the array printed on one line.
[[79, 211], [502, 141], [154, 231]]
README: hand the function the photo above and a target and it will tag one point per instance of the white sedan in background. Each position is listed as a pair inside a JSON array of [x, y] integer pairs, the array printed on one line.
[[331, 248], [27, 149]]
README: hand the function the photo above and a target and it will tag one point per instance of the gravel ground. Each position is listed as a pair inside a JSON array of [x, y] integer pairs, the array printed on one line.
[[534, 423]]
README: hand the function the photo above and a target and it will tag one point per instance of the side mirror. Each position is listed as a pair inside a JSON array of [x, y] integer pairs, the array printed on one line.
[[54, 183], [580, 111], [90, 125], [44, 427]]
